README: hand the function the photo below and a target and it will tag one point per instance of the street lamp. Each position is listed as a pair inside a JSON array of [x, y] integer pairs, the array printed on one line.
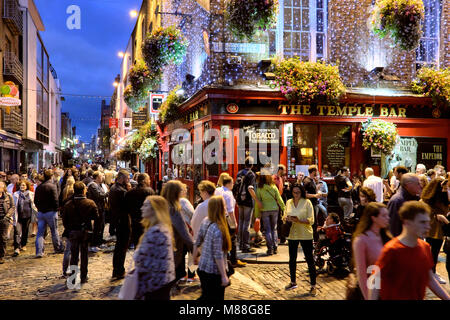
[[120, 54], [133, 14], [115, 84]]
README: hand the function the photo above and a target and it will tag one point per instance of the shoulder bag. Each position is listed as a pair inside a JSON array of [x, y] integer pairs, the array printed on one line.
[[286, 226]]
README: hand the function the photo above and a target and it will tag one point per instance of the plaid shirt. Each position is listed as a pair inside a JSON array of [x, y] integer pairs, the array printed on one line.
[[210, 238]]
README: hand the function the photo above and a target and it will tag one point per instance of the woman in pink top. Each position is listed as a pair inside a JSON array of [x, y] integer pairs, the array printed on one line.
[[370, 236]]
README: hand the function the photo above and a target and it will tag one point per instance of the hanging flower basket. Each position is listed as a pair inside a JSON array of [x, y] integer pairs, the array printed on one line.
[[169, 108], [134, 99], [164, 46], [244, 18], [303, 81], [379, 135], [435, 84], [124, 155], [149, 149], [401, 19]]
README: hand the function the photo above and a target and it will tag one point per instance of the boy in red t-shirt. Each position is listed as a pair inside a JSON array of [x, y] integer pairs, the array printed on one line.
[[405, 263]]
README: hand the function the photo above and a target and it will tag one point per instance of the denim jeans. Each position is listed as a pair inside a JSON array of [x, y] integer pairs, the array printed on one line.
[[245, 217], [51, 219], [270, 224], [347, 206], [67, 254]]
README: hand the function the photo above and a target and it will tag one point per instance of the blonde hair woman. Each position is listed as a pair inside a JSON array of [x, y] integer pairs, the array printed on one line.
[[172, 192], [215, 241], [154, 258], [68, 189], [221, 177]]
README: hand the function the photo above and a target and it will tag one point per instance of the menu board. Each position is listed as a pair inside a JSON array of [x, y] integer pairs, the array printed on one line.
[[335, 156]]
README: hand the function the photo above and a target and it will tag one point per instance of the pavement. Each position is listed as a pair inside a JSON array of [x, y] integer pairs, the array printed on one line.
[[263, 278]]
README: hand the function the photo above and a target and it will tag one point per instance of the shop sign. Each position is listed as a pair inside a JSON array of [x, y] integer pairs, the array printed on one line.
[[140, 118], [224, 132], [256, 48], [113, 123], [232, 108], [127, 123], [257, 135], [347, 110], [288, 134]]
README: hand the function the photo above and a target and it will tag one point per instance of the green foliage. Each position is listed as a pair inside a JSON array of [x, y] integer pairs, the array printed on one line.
[[244, 18], [401, 19], [435, 84], [379, 135], [169, 109], [303, 81]]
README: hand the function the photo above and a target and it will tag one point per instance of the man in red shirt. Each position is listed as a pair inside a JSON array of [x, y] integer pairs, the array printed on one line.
[[405, 263]]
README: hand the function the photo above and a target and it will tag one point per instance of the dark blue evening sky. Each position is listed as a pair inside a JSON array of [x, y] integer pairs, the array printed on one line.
[[86, 60]]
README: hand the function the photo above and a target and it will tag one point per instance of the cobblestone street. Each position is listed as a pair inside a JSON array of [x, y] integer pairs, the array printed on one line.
[[27, 278]]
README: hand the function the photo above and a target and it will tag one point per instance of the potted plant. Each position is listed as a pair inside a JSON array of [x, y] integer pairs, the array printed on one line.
[[164, 46], [303, 81], [379, 135], [433, 83], [244, 18], [400, 19]]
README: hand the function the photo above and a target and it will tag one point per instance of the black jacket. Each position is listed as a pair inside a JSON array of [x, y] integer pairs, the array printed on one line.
[[135, 199], [46, 197], [98, 195], [77, 213], [118, 207]]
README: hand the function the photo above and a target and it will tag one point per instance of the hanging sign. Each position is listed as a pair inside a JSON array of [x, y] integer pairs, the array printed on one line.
[[113, 123], [9, 96]]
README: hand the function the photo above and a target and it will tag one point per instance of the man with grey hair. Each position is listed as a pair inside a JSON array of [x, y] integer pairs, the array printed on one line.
[[375, 183], [421, 169], [13, 181], [410, 189]]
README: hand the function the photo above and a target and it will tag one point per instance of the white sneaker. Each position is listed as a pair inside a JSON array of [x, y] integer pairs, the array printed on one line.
[[93, 249], [440, 279]]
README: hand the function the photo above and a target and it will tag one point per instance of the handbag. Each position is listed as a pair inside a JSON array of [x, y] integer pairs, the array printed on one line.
[[130, 285], [353, 291]]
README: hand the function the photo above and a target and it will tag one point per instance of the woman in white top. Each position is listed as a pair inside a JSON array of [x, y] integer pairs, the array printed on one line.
[[300, 212]]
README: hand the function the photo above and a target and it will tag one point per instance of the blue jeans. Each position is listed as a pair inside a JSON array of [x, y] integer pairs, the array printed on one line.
[[245, 217], [66, 259], [51, 219], [270, 226], [347, 206]]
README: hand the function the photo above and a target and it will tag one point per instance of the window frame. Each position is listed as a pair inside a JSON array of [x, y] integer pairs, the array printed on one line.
[[426, 38]]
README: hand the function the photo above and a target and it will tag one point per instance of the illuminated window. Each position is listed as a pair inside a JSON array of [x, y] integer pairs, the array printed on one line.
[[428, 50], [301, 30]]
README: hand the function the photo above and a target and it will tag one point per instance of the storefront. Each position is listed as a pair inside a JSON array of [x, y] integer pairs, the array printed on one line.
[[328, 136], [10, 145]]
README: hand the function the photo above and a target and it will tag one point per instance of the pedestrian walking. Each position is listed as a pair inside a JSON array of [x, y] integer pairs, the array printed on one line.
[[46, 201], [344, 187], [409, 190], [270, 198], [300, 212], [184, 242], [78, 215], [96, 193], [120, 222], [244, 193], [405, 264], [135, 199], [230, 203], [375, 183], [278, 179], [154, 259], [313, 195], [207, 190], [371, 235], [215, 242], [6, 218], [436, 196], [24, 207]]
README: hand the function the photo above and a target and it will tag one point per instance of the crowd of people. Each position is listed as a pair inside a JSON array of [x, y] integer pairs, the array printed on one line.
[[398, 225]]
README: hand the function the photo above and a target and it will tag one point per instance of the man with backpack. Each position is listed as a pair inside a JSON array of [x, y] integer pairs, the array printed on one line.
[[244, 193]]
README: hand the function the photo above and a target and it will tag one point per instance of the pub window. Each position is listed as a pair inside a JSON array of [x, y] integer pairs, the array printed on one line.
[[304, 148], [428, 50], [336, 143]]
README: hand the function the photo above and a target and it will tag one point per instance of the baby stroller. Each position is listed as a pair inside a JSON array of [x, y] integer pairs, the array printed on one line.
[[337, 255]]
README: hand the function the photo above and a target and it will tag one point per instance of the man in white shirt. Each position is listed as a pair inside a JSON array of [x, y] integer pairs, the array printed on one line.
[[230, 203], [421, 169], [375, 183], [13, 181]]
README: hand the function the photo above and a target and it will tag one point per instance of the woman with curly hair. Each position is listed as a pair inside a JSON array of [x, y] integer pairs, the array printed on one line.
[[436, 196]]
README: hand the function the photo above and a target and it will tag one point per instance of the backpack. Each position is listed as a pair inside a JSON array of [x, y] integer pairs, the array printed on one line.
[[239, 189]]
